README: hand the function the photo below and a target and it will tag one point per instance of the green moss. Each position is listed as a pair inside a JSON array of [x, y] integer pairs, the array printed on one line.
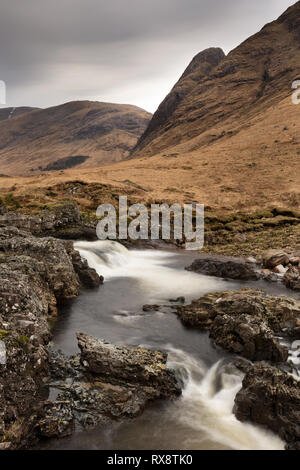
[[4, 334], [22, 340]]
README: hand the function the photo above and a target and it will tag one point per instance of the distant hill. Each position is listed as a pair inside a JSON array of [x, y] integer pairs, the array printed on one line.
[[81, 133], [9, 113]]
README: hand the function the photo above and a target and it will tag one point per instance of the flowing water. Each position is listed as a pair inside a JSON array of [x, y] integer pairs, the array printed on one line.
[[202, 418]]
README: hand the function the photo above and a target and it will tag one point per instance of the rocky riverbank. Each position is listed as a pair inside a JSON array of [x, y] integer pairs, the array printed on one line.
[[36, 276]]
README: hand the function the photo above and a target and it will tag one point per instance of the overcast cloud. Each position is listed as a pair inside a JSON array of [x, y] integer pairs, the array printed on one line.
[[125, 51]]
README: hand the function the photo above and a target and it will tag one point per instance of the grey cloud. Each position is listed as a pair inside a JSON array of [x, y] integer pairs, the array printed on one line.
[[127, 42]]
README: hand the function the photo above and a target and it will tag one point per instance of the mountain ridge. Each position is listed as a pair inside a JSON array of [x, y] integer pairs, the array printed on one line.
[[256, 72]]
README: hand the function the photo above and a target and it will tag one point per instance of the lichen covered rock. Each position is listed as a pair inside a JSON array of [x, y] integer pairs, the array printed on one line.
[[271, 398], [249, 337], [36, 274], [278, 312], [104, 384]]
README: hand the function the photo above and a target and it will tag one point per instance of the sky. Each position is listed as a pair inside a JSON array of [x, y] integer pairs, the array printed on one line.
[[121, 51]]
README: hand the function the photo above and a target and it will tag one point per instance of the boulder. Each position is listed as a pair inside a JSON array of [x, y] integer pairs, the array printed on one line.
[[271, 398], [273, 258], [247, 336], [280, 269], [292, 278], [279, 313], [106, 383], [225, 267], [125, 363]]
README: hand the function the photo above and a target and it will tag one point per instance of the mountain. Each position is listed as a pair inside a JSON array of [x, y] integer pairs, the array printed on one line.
[[220, 99], [76, 134], [8, 113], [201, 65]]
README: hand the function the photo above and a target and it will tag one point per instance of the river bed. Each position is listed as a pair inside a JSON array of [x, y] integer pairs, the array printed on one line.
[[202, 418]]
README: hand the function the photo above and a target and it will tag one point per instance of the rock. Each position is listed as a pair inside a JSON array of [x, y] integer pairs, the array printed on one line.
[[89, 277], [247, 336], [265, 273], [226, 267], [116, 385], [130, 364], [251, 259], [277, 312], [295, 260], [273, 258], [36, 274], [271, 398], [50, 260], [151, 308], [269, 276], [62, 221], [292, 278], [240, 238], [180, 300], [5, 445], [280, 269]]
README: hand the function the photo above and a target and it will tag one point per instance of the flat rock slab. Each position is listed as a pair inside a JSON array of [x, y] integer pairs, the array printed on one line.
[[105, 383]]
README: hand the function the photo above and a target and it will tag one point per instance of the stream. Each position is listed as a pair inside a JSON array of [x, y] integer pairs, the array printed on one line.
[[202, 417]]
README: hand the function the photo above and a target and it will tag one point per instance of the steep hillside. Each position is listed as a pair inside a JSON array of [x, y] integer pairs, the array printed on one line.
[[82, 133], [254, 77], [198, 69]]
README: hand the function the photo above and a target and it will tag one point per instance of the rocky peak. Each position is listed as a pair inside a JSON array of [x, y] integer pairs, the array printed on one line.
[[201, 65], [206, 59]]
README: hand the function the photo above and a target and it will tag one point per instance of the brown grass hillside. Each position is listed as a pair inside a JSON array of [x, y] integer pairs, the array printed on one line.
[[257, 167], [99, 132]]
